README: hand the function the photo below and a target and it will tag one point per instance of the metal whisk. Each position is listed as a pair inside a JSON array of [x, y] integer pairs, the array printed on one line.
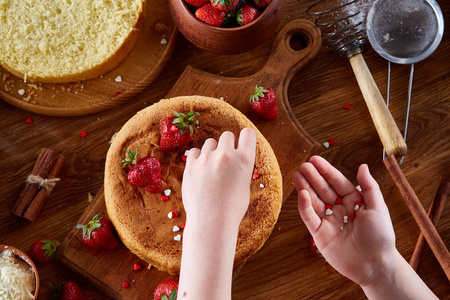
[[342, 25]]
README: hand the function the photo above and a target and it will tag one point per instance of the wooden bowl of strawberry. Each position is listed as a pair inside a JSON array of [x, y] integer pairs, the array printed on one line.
[[227, 26]]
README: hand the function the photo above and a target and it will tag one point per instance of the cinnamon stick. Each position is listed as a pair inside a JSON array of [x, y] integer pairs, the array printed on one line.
[[434, 212], [426, 226], [36, 204], [44, 162]]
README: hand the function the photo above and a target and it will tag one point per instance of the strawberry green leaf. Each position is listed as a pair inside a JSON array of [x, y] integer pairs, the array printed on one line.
[[89, 227], [185, 122], [132, 158], [257, 93], [50, 247]]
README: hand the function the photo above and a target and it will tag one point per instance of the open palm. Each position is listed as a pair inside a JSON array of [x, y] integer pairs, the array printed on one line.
[[354, 246]]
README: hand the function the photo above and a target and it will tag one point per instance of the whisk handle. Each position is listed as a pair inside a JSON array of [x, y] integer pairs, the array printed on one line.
[[387, 129]]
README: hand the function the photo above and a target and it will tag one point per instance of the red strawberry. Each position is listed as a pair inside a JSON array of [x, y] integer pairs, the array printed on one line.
[[208, 14], [68, 291], [99, 233], [42, 251], [246, 14], [263, 101], [196, 3], [261, 3], [313, 247], [166, 289], [224, 5], [145, 172], [173, 138]]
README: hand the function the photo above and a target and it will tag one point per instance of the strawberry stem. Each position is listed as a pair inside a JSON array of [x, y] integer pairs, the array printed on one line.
[[258, 92], [132, 158], [185, 122], [89, 227]]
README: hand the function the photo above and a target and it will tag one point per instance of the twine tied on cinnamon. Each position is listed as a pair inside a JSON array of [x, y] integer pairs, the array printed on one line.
[[39, 185], [47, 184]]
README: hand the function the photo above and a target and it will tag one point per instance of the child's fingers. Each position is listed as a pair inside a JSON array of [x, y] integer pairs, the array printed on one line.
[[209, 145], [194, 153], [336, 180], [307, 213], [373, 198], [227, 141], [247, 140], [301, 183], [321, 187]]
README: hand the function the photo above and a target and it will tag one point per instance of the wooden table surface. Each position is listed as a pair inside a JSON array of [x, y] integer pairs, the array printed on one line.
[[284, 267]]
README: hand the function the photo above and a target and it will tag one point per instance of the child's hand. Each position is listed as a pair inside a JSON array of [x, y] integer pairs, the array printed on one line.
[[216, 181], [359, 249]]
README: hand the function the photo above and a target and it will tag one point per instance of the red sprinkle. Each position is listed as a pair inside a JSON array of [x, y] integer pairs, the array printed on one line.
[[184, 225], [83, 134], [255, 175], [173, 128], [184, 157], [125, 284], [328, 206], [117, 93], [347, 106], [174, 214], [331, 141], [352, 216], [164, 198], [28, 120], [358, 202], [338, 201], [136, 267]]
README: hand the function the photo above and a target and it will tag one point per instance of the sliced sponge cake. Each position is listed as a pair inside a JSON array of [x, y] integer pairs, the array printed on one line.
[[67, 40]]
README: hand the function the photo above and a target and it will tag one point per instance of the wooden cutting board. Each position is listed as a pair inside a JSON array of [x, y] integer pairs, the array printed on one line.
[[142, 65], [108, 269]]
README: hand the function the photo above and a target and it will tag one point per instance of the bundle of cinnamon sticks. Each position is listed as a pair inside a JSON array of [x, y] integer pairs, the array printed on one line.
[[39, 185]]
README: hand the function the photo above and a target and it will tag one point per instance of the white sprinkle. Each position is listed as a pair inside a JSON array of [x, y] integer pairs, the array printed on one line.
[[163, 41], [118, 79], [261, 185], [328, 212], [356, 207], [342, 228], [177, 237], [345, 219], [326, 145], [167, 192], [186, 153], [358, 188], [21, 92], [176, 228], [221, 98], [169, 215]]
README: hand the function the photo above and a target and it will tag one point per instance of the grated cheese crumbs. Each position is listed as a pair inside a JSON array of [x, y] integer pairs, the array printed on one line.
[[17, 280]]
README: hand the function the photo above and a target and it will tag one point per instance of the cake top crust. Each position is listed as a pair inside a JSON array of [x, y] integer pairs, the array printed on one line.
[[141, 218]]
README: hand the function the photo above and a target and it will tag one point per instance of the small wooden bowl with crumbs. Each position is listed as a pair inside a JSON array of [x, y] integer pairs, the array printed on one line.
[[19, 259], [231, 40]]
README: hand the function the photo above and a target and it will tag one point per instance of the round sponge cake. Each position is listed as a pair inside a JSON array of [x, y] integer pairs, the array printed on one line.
[[141, 218], [65, 41]]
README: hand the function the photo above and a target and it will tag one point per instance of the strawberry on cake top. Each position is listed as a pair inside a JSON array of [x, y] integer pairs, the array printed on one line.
[[150, 222]]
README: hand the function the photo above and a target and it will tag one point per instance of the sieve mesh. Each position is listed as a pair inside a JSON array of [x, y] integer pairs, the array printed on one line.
[[406, 28]]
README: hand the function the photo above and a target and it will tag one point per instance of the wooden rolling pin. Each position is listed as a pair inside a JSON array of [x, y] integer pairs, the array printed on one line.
[[426, 226], [434, 212]]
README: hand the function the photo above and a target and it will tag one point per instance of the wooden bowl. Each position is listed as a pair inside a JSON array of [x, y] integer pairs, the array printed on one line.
[[22, 255], [227, 40]]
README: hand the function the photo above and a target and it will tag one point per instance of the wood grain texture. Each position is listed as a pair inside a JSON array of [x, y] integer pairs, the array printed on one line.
[[284, 267], [140, 67]]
